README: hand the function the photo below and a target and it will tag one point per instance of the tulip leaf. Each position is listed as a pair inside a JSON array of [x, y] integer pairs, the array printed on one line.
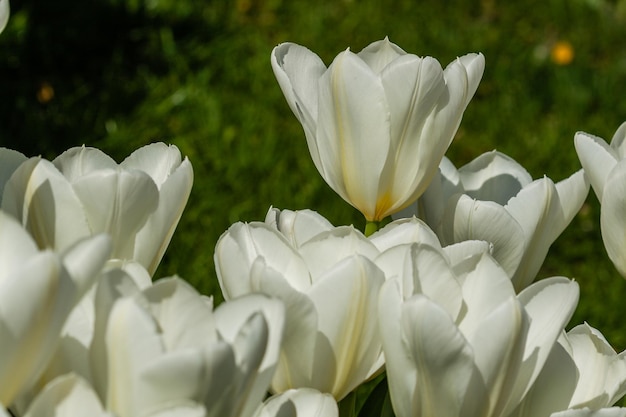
[[378, 403]]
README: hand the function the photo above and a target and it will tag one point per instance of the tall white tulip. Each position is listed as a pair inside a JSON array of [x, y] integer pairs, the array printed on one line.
[[605, 165], [37, 293], [83, 192], [377, 123], [493, 198]]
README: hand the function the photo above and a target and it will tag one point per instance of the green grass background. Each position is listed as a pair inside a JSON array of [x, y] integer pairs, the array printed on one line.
[[197, 74]]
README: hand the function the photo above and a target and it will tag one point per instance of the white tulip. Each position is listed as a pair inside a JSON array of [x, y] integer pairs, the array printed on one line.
[[84, 192], [605, 165], [165, 345], [494, 199], [377, 123], [480, 363], [582, 371], [37, 293]]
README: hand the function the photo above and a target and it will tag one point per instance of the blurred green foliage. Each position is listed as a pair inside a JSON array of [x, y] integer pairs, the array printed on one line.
[[119, 74]]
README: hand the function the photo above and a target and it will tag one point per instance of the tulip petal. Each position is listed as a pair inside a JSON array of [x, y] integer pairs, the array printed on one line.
[[400, 367], [498, 345], [80, 161], [612, 219], [377, 55], [9, 159], [404, 231], [323, 251], [133, 343], [536, 208], [413, 87], [493, 176], [15, 244], [85, 260], [67, 396], [27, 326], [300, 328], [553, 387], [112, 286], [469, 219], [618, 142], [485, 287], [41, 198], [297, 226], [298, 70], [117, 202], [447, 381], [353, 130], [550, 304], [346, 302], [597, 159], [154, 237], [602, 371], [184, 318], [237, 249]]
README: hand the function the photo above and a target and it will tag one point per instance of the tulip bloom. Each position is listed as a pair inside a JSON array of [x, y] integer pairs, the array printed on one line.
[[83, 192], [377, 123], [582, 372], [481, 362], [493, 198], [605, 165], [164, 346], [37, 293]]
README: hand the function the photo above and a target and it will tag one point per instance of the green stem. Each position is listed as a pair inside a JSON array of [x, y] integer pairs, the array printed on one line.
[[347, 406], [371, 227]]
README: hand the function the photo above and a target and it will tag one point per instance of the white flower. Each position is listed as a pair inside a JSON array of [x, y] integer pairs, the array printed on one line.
[[481, 362], [84, 192], [164, 346], [582, 371], [377, 123], [605, 165], [37, 293]]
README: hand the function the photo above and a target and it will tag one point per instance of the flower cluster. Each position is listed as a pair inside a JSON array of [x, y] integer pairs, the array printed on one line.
[[437, 313]]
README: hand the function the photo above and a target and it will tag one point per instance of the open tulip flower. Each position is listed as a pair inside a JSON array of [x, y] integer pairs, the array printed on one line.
[[377, 123], [493, 198], [605, 165], [38, 290], [582, 372], [481, 362], [164, 346], [84, 192]]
